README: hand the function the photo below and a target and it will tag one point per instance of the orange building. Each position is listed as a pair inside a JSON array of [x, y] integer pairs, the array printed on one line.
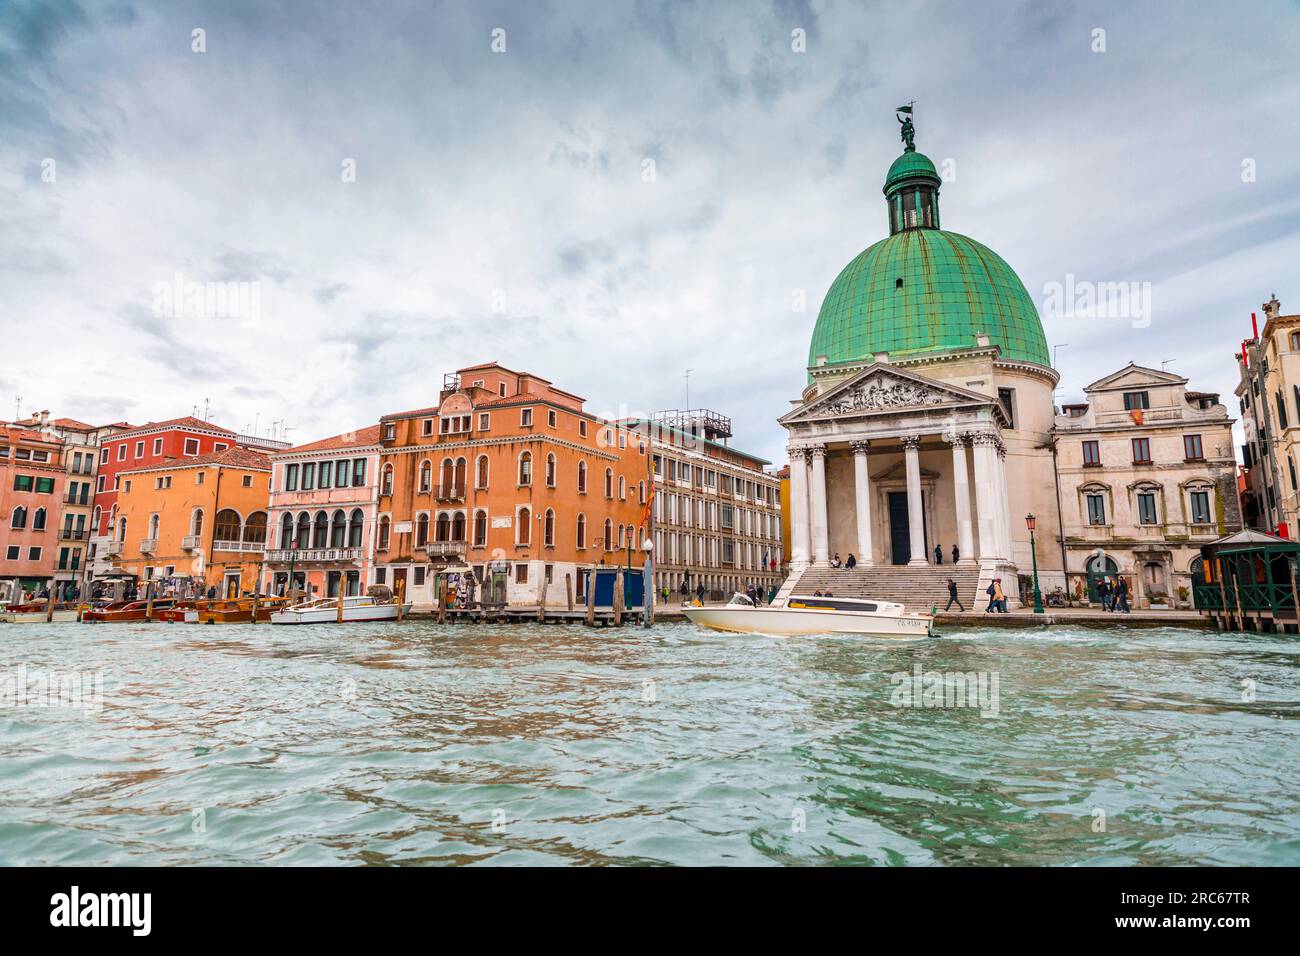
[[203, 518], [511, 477]]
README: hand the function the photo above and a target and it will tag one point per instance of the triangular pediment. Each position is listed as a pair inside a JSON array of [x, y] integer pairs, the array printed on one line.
[[898, 472], [1135, 376], [886, 389]]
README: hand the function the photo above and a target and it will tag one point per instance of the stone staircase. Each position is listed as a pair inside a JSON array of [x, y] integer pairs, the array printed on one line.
[[918, 588]]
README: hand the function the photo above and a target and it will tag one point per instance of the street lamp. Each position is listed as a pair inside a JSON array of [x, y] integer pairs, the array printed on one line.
[[647, 588], [1031, 522]]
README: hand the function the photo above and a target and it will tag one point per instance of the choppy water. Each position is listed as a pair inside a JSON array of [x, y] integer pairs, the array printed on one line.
[[417, 744]]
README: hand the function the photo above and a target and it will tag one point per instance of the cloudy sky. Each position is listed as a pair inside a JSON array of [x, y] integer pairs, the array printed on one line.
[[627, 191]]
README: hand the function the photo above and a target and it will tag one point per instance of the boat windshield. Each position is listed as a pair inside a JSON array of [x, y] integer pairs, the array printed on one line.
[[740, 600], [830, 604]]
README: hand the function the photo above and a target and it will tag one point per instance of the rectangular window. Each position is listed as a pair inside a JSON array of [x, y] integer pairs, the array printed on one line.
[[428, 426], [521, 574], [1146, 507], [191, 447], [1192, 449], [1092, 453], [100, 483], [291, 478], [1141, 451], [1006, 398], [525, 417], [33, 554], [121, 452], [44, 486], [308, 475], [139, 449], [1096, 509], [12, 552], [551, 418], [417, 575], [358, 472], [248, 481], [326, 475], [198, 477], [103, 456], [1200, 507], [380, 575], [1134, 400], [582, 428], [22, 482], [157, 446], [1281, 411], [484, 421], [390, 431]]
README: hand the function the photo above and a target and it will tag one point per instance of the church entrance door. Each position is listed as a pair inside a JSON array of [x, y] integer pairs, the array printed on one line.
[[900, 551]]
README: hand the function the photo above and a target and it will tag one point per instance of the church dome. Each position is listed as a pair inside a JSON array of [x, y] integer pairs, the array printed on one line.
[[924, 289]]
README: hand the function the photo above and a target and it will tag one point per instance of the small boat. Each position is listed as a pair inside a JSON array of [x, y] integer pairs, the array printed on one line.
[[130, 611], [183, 612], [813, 615], [34, 614], [238, 610], [361, 607]]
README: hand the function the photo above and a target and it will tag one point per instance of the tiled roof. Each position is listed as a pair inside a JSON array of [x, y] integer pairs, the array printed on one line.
[[231, 457], [187, 421], [362, 436], [73, 424]]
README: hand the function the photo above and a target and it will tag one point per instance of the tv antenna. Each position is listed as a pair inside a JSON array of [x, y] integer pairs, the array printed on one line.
[[18, 406], [687, 376]]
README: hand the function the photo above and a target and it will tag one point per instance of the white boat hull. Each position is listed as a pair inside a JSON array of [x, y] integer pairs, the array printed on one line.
[[35, 617], [330, 614], [792, 622]]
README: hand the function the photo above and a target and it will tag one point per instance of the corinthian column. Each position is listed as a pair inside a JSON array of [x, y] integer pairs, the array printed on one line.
[[1004, 499], [820, 525], [961, 495], [915, 518], [862, 493], [799, 553], [987, 508]]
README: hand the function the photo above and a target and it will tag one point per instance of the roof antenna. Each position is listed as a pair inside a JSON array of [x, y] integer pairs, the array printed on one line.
[[687, 376], [18, 404], [1165, 363]]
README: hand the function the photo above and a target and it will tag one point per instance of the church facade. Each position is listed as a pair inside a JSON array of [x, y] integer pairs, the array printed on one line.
[[925, 431]]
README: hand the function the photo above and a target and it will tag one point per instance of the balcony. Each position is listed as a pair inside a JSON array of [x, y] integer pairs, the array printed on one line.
[[113, 549], [445, 547], [73, 534], [241, 546], [451, 492], [76, 499], [191, 542], [312, 555], [149, 546]]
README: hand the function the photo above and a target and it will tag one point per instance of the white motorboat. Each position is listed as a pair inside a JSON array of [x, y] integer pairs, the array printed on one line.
[[361, 607], [813, 615]]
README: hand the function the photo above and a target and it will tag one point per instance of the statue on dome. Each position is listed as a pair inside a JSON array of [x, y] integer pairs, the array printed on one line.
[[908, 132]]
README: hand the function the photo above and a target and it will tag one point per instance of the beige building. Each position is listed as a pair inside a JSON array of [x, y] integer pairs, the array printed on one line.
[[1269, 401], [1147, 474]]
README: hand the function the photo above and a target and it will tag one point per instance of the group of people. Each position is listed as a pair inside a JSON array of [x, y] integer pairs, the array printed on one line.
[[1114, 595], [848, 565]]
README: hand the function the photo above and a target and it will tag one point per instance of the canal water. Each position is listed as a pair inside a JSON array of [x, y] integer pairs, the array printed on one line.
[[522, 744]]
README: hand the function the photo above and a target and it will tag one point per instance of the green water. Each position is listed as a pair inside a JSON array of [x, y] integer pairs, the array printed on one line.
[[419, 744]]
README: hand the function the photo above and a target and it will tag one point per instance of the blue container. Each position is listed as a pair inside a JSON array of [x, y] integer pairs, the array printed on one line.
[[602, 590]]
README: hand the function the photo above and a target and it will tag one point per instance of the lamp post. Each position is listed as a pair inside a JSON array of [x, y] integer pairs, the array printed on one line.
[[647, 590], [1031, 522]]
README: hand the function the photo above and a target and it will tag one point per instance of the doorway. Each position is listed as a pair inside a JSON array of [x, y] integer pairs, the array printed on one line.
[[900, 545]]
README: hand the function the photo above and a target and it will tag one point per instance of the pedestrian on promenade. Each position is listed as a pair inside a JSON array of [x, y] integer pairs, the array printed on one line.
[[955, 554], [1121, 596], [938, 554], [952, 596], [699, 592], [1107, 598]]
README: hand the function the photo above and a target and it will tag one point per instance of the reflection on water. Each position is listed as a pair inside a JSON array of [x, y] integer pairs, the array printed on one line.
[[413, 743]]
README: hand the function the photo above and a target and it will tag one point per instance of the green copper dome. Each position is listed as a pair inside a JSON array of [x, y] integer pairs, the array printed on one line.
[[923, 289]]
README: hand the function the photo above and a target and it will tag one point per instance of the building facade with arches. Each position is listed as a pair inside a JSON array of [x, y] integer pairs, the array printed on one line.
[[511, 477], [323, 516], [1147, 472], [203, 518]]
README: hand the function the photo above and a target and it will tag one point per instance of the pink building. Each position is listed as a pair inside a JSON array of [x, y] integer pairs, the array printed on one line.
[[33, 484], [322, 512]]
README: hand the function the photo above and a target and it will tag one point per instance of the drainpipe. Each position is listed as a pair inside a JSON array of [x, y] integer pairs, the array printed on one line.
[[1060, 524], [216, 507]]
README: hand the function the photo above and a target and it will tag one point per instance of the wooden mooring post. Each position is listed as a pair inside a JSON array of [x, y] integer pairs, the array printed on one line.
[[541, 602], [618, 599], [591, 598], [568, 590]]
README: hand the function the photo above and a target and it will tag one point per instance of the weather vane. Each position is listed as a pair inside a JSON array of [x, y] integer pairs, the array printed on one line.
[[908, 132]]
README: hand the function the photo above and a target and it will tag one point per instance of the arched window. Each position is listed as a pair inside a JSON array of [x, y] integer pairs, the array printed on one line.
[[255, 528], [458, 526], [196, 522], [94, 519], [19, 518], [460, 477], [582, 531], [154, 522], [548, 529], [609, 534], [443, 527], [550, 470], [526, 468], [38, 520], [622, 488], [609, 482], [582, 476], [386, 481], [426, 476], [480, 529], [621, 541], [303, 538], [382, 544], [286, 531], [524, 527], [227, 525], [354, 528], [422, 531], [481, 472], [640, 490], [446, 476], [320, 531], [338, 529]]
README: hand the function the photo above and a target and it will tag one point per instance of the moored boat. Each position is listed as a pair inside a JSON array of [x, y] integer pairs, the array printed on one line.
[[361, 607], [129, 611], [813, 615], [34, 614], [238, 610]]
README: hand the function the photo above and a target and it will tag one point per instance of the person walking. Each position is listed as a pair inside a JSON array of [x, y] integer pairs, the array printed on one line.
[[938, 554], [991, 591], [955, 554], [699, 592], [1103, 590], [1121, 596], [952, 596], [851, 563], [999, 602]]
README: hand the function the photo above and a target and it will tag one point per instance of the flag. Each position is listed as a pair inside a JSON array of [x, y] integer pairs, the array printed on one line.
[[1136, 415], [649, 502], [903, 109]]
